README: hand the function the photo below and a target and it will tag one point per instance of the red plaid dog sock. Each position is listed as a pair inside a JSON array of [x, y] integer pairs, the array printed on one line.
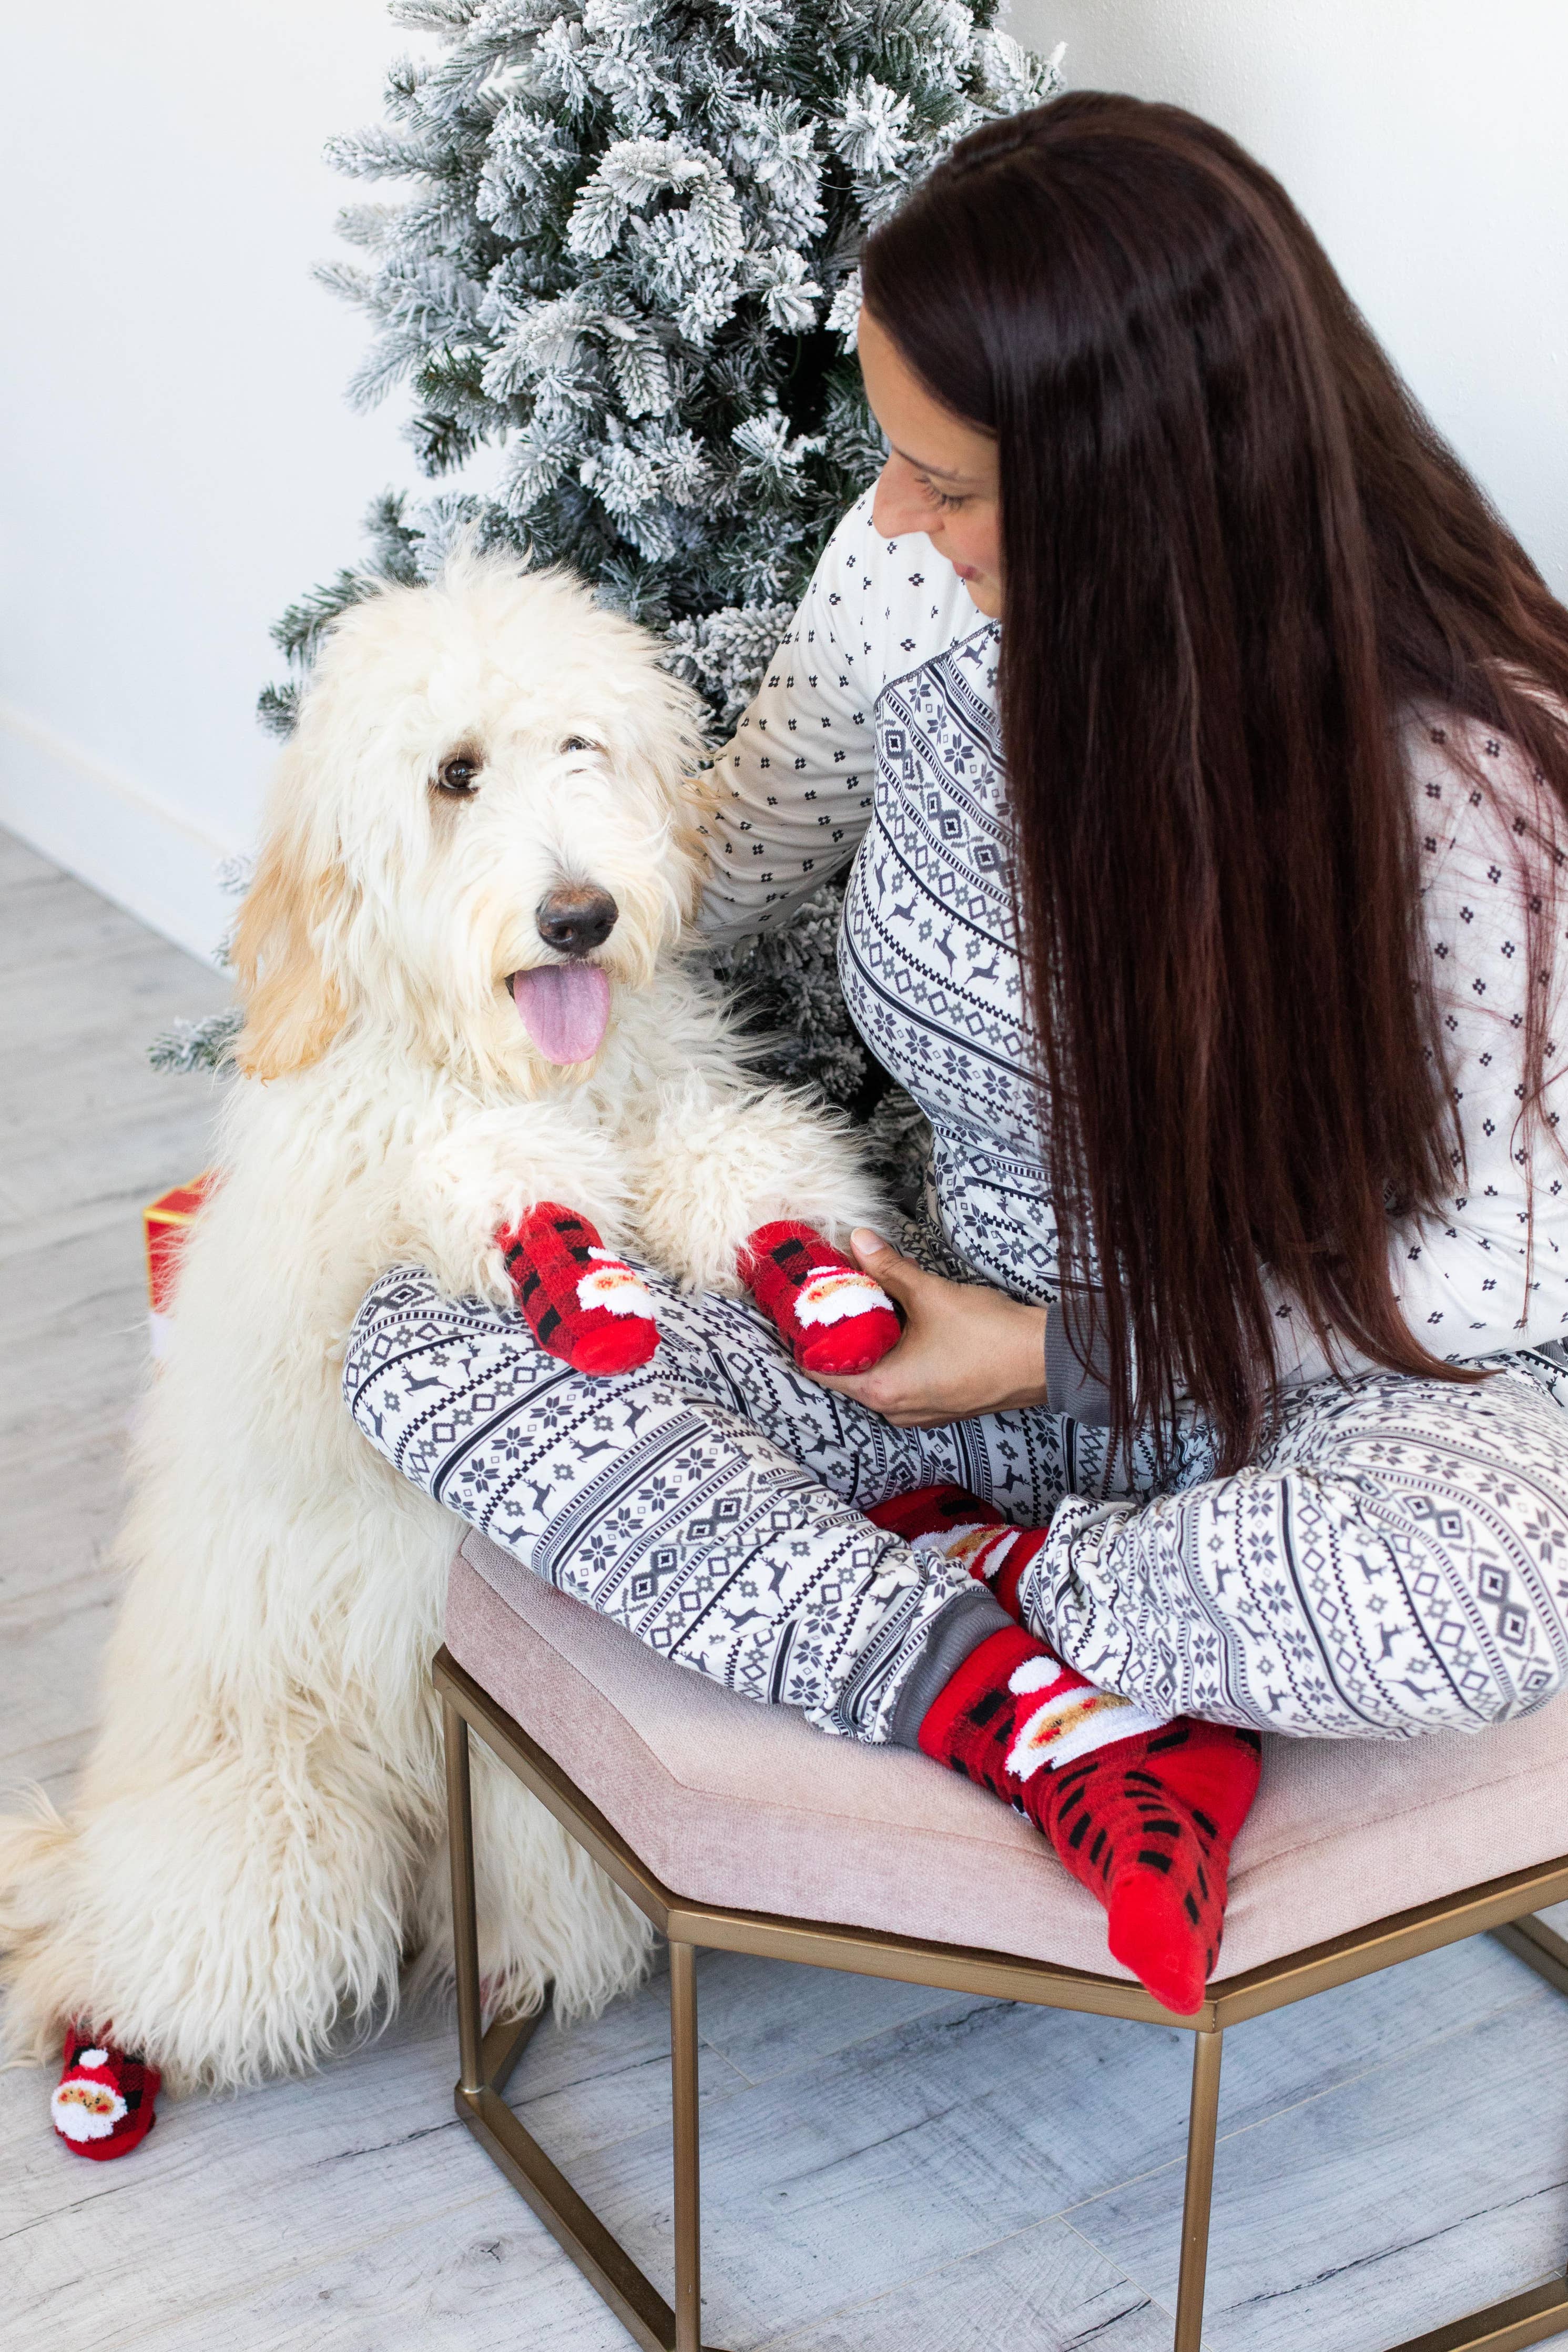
[[1142, 1813], [584, 1304], [836, 1319], [103, 2104]]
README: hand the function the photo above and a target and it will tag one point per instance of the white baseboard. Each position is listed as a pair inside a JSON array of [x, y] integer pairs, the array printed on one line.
[[113, 832]]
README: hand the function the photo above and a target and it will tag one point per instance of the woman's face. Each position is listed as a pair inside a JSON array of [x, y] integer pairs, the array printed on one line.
[[941, 476]]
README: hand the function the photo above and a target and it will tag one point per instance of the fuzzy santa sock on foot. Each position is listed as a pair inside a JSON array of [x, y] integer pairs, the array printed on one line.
[[1147, 1826], [1141, 1813], [103, 2104], [836, 1319], [584, 1304], [949, 1521]]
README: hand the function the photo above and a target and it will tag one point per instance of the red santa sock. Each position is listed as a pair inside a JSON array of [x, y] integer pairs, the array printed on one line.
[[836, 1319], [964, 1529], [584, 1304], [103, 2104], [1141, 1813]]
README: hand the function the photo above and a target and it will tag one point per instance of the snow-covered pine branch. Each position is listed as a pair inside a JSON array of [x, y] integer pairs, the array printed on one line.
[[619, 244]]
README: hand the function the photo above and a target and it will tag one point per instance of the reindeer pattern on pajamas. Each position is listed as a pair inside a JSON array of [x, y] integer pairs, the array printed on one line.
[[1395, 1561]]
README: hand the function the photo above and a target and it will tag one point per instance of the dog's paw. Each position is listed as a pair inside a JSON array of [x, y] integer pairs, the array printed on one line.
[[103, 2104], [582, 1303], [836, 1319]]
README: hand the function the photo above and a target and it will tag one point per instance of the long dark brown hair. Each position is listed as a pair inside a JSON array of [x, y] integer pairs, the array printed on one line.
[[1236, 558]]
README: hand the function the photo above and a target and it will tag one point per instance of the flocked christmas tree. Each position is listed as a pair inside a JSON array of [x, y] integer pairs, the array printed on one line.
[[627, 259]]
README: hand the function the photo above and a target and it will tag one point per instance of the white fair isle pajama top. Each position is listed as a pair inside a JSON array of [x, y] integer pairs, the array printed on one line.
[[1395, 1560]]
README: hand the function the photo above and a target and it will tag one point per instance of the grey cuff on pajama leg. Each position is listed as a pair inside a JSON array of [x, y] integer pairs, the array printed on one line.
[[969, 1619]]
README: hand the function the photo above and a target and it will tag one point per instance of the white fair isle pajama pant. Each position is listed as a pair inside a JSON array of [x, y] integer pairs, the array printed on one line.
[[1394, 1562]]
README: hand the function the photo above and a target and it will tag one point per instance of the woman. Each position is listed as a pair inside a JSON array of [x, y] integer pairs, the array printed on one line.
[[1231, 1002]]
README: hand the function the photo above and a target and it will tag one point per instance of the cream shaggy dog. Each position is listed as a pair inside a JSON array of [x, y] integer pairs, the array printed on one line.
[[256, 1852]]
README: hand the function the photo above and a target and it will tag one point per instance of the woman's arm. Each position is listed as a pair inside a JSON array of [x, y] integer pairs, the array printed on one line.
[[795, 781]]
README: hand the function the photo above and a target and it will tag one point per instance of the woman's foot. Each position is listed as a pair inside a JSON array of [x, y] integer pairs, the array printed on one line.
[[973, 1533], [1143, 1813], [1147, 1827], [103, 2104]]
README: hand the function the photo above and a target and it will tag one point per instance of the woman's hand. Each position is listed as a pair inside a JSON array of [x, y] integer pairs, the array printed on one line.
[[966, 1349]]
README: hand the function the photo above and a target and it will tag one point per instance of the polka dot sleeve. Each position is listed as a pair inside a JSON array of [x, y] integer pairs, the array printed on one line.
[[796, 780], [1489, 1270]]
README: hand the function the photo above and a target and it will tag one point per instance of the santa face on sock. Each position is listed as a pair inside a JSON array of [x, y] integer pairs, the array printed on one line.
[[87, 2104], [1069, 1719], [831, 1293], [612, 1285], [102, 2106]]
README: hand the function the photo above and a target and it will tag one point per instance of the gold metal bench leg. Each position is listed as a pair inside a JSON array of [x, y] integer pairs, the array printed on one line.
[[1202, 2123], [687, 2147], [465, 1923], [1540, 1947], [486, 2061], [1503, 2326]]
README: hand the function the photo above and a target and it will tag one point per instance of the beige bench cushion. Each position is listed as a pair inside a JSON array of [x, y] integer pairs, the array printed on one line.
[[729, 1802]]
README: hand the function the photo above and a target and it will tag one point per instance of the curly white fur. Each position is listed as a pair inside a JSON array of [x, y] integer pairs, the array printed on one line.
[[256, 1850]]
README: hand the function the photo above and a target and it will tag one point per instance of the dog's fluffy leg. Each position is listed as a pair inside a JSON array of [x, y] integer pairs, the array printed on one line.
[[549, 1917], [487, 1172], [713, 1165], [224, 1918]]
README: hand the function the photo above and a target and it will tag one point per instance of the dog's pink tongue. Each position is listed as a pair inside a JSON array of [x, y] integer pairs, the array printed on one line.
[[565, 1009]]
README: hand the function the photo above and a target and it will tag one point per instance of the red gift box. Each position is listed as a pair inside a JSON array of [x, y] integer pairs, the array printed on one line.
[[164, 1222]]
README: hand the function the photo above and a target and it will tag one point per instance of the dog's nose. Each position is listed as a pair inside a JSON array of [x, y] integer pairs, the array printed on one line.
[[576, 917]]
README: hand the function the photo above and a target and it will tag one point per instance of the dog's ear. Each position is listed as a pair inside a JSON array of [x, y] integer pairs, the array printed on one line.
[[674, 748], [293, 1006], [696, 796]]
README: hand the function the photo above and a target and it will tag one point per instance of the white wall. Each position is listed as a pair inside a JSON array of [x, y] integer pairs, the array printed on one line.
[[1426, 141], [179, 461]]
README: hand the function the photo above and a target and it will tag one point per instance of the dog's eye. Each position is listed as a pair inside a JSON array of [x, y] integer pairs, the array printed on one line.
[[581, 743], [458, 776]]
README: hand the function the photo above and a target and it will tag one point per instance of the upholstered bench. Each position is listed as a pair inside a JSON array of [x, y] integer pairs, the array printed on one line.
[[737, 1827]]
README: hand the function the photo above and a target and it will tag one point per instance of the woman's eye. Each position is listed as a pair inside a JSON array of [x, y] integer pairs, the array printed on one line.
[[457, 775], [943, 497]]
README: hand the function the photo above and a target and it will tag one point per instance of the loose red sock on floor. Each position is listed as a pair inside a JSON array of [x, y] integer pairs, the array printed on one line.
[[102, 2106], [1141, 1814], [836, 1318], [585, 1304]]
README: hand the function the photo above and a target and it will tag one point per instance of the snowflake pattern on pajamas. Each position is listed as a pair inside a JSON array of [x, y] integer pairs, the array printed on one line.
[[876, 739], [1396, 1562], [707, 1501]]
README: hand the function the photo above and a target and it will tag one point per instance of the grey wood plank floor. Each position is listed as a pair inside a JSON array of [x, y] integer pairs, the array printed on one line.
[[886, 2168]]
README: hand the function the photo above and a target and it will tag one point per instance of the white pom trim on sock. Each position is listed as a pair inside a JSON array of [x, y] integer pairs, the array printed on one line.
[[832, 1293], [612, 1285], [83, 2111], [1039, 1674]]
